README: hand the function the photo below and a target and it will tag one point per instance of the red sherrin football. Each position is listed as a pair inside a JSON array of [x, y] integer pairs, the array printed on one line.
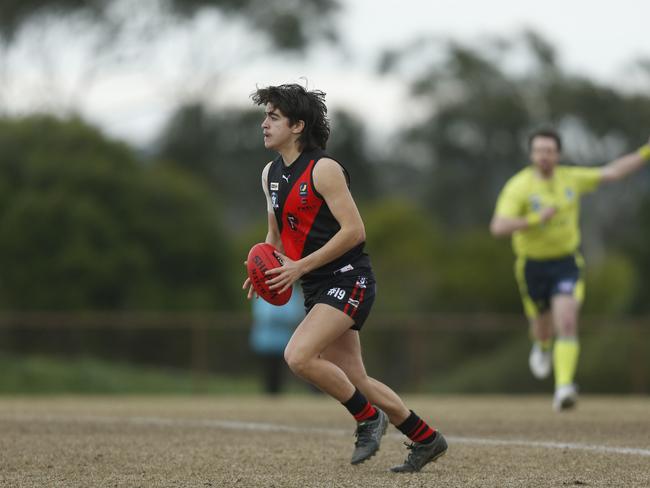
[[260, 260]]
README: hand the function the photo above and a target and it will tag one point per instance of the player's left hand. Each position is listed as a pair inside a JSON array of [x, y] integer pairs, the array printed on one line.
[[286, 275]]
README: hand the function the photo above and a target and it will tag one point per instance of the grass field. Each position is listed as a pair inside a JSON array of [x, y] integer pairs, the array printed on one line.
[[306, 441]]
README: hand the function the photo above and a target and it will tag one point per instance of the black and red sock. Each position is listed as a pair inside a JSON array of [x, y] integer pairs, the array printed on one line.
[[417, 429], [360, 407]]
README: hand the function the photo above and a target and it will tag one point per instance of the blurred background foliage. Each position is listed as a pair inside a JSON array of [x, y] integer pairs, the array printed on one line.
[[86, 225], [90, 223], [288, 27]]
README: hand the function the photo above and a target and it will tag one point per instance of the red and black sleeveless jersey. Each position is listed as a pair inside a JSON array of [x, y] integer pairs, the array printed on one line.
[[304, 219]]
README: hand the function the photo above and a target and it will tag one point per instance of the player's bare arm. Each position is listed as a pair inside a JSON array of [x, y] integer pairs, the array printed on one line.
[[330, 182], [625, 165], [506, 226], [273, 233]]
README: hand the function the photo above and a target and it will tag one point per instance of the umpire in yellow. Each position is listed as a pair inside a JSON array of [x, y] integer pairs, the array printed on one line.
[[540, 208]]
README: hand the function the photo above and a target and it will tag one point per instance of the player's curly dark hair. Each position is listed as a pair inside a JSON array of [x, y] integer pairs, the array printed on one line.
[[297, 103], [545, 132]]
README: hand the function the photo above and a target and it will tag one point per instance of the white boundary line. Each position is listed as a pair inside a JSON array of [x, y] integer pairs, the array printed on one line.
[[266, 427]]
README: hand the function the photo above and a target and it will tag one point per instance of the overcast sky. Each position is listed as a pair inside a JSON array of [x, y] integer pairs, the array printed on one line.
[[599, 41], [598, 37]]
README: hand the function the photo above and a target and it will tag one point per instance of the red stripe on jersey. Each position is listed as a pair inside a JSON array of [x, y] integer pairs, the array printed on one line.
[[299, 213]]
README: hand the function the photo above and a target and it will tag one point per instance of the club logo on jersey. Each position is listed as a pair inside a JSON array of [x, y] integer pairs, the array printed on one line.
[[338, 293], [535, 203], [293, 221], [361, 282], [569, 193], [303, 189], [275, 186], [286, 178], [274, 200]]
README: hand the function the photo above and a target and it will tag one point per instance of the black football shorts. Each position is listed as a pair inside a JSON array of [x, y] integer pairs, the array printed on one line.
[[352, 292]]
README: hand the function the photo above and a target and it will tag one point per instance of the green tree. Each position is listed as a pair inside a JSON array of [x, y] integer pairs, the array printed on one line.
[[348, 144], [160, 43], [405, 246], [85, 225], [639, 250], [474, 276], [479, 112], [224, 149], [287, 26], [610, 285]]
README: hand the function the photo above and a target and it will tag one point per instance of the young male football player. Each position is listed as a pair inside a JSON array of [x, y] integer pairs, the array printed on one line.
[[314, 220]]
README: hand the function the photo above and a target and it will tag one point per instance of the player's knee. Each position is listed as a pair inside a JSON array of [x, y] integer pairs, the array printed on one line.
[[568, 325], [296, 360], [288, 354]]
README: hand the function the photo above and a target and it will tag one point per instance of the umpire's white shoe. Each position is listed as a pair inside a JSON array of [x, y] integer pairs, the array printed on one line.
[[565, 398], [540, 362]]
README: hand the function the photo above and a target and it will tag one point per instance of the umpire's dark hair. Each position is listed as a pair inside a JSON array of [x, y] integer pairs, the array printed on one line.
[[545, 132], [296, 103]]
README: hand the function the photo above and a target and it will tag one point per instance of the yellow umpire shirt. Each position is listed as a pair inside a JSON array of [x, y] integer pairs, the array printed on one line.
[[526, 193]]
